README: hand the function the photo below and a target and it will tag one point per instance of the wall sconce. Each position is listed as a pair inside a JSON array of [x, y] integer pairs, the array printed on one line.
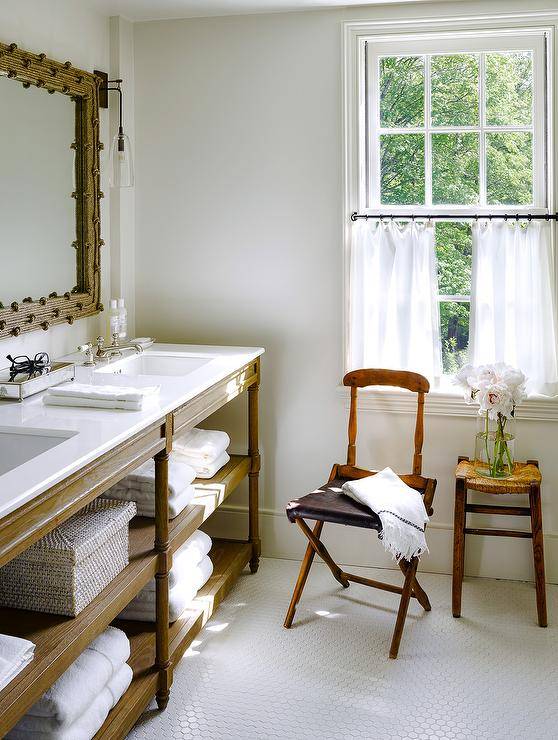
[[121, 165]]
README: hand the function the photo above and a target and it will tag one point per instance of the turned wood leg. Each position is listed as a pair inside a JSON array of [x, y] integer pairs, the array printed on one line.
[[162, 658], [321, 550], [302, 576], [458, 545], [253, 477], [538, 552], [411, 568]]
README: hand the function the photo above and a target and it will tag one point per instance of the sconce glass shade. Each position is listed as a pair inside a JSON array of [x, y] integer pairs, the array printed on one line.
[[121, 166]]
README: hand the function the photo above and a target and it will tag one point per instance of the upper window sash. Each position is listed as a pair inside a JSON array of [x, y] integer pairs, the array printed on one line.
[[466, 42]]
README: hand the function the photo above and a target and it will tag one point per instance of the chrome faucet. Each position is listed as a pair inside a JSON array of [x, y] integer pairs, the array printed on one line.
[[115, 349]]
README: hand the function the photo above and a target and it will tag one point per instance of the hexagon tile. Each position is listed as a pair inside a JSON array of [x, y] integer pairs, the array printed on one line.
[[491, 674]]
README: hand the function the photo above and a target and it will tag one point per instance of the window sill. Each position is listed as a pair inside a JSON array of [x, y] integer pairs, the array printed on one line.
[[443, 403]]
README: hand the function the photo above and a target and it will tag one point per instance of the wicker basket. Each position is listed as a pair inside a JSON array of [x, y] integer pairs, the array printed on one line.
[[65, 570]]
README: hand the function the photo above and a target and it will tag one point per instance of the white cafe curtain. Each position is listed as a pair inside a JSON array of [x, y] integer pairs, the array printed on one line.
[[512, 300], [394, 312]]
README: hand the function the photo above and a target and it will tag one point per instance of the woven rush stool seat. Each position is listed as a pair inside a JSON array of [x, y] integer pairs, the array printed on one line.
[[524, 475], [328, 504]]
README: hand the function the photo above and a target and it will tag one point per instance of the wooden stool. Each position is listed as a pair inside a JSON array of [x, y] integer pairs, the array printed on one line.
[[526, 479]]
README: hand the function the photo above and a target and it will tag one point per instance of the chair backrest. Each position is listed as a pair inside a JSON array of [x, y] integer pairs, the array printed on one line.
[[400, 379]]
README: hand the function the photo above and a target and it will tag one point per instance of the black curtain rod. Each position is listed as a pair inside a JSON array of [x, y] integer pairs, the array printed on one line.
[[457, 217]]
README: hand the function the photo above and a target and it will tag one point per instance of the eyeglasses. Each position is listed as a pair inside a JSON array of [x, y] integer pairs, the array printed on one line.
[[24, 365]]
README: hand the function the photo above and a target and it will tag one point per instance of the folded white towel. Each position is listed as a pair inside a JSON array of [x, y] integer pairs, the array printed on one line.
[[90, 721], [142, 479], [146, 504], [203, 445], [92, 403], [142, 608], [180, 598], [400, 509], [180, 574], [186, 558], [127, 394], [70, 695], [15, 654], [204, 469]]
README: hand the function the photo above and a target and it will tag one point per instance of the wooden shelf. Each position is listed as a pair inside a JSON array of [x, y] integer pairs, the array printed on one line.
[[211, 492], [229, 559], [59, 639]]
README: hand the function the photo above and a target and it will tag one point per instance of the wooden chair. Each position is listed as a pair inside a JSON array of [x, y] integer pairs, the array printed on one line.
[[328, 505]]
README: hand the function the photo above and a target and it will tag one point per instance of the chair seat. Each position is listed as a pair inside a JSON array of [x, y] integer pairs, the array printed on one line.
[[328, 504]]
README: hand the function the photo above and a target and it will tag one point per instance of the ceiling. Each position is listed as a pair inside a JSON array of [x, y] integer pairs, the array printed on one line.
[[147, 10]]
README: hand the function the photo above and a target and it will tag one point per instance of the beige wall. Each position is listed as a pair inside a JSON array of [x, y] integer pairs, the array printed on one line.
[[238, 222], [62, 29]]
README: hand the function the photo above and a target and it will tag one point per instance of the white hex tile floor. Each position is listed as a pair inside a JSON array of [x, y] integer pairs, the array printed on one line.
[[491, 674]]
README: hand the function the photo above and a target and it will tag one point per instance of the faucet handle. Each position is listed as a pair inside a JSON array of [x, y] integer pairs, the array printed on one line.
[[114, 339], [88, 349]]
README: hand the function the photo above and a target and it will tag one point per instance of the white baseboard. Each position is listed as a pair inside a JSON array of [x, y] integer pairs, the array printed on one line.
[[487, 557]]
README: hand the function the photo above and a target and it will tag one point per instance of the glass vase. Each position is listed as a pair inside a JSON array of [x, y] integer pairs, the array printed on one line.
[[494, 446]]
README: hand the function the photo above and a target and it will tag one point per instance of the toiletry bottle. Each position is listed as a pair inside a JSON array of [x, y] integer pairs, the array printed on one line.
[[114, 318], [122, 319]]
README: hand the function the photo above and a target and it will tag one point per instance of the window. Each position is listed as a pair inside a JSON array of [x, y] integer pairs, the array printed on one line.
[[452, 124]]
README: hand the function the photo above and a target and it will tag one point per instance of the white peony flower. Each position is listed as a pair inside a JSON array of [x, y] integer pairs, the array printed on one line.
[[486, 374], [466, 380], [495, 398]]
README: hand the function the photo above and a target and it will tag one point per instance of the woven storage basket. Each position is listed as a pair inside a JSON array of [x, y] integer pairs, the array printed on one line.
[[65, 570]]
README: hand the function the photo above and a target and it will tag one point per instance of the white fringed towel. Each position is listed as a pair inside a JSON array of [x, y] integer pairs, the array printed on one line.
[[15, 654], [202, 445], [400, 509]]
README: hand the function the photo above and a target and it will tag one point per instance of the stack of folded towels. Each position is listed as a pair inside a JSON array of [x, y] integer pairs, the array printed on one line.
[[100, 396], [191, 568], [15, 654], [200, 453], [205, 450], [76, 706], [139, 486]]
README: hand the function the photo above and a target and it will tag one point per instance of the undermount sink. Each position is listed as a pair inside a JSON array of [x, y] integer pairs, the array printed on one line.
[[155, 363], [18, 445]]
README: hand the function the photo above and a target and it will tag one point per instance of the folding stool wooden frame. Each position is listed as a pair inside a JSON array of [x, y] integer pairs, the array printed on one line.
[[426, 486]]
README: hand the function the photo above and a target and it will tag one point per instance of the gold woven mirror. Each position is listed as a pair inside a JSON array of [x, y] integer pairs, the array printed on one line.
[[49, 192]]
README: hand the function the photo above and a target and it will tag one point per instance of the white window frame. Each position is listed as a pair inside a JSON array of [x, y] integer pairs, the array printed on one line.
[[355, 34], [424, 45]]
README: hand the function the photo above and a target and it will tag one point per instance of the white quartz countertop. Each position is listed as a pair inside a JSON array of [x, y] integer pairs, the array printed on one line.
[[100, 430]]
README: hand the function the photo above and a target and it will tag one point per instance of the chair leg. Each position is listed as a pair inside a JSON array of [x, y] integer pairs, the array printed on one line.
[[418, 591], [458, 545], [411, 568], [302, 576], [538, 553], [321, 550]]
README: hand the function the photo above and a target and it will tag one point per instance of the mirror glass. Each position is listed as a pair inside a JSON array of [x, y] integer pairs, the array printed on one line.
[[37, 212]]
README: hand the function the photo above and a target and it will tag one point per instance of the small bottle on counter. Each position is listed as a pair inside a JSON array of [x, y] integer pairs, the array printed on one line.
[[122, 319], [114, 318]]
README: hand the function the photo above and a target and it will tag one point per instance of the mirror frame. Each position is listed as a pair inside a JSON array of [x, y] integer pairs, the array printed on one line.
[[84, 298]]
